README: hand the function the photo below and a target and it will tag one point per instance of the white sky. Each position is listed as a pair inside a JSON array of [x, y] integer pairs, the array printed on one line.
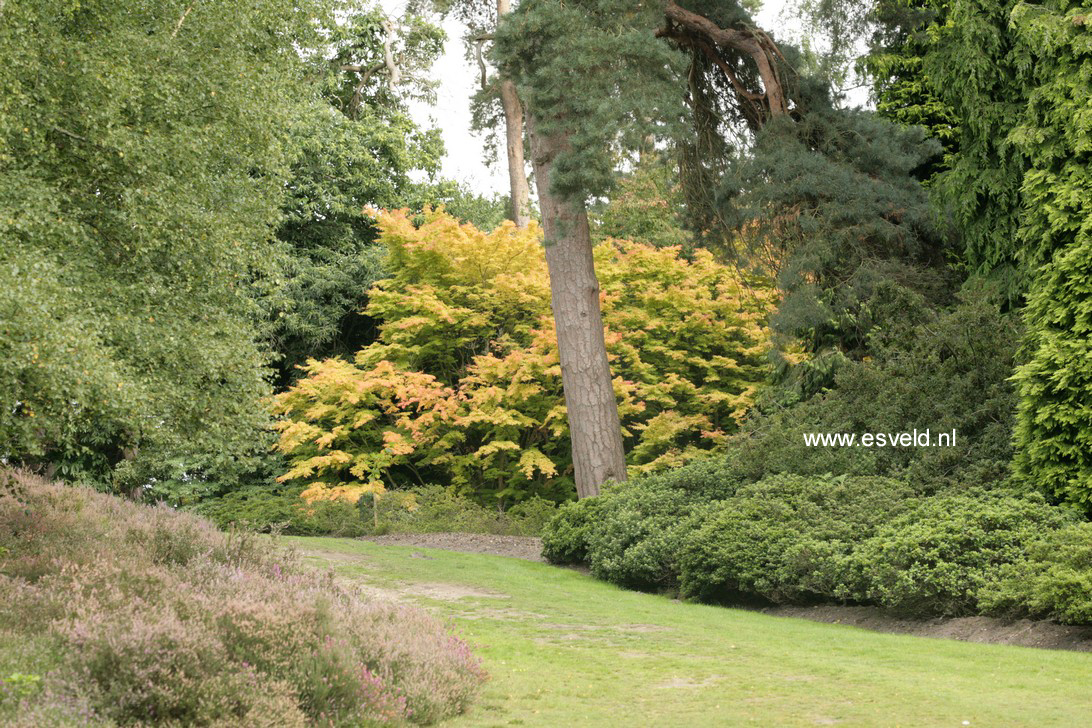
[[458, 81]]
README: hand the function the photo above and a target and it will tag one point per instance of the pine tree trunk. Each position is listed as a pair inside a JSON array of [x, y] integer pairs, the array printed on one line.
[[594, 427], [520, 191]]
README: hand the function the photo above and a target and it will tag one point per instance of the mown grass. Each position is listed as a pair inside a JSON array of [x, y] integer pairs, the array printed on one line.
[[566, 650]]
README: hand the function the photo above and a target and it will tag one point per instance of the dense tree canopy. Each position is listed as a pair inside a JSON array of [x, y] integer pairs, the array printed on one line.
[[355, 147], [902, 35], [142, 155], [188, 194]]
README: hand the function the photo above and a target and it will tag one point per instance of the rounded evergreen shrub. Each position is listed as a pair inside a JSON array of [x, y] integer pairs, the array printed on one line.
[[629, 523], [936, 559], [707, 479], [782, 539], [1054, 582], [565, 536], [636, 538]]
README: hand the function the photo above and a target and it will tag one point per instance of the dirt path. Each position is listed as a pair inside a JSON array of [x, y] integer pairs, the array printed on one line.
[[528, 548], [987, 630], [1024, 632]]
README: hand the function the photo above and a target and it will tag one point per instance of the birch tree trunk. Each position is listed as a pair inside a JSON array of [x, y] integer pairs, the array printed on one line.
[[598, 454]]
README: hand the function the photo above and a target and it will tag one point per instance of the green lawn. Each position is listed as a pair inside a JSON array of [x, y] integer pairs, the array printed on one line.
[[566, 650]]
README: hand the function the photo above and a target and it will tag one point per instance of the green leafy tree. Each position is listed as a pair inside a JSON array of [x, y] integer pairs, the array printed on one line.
[[356, 147], [497, 97], [939, 370], [903, 33], [143, 161], [645, 206], [483, 212]]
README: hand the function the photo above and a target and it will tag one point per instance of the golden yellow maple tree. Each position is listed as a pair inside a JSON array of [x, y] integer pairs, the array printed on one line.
[[463, 386]]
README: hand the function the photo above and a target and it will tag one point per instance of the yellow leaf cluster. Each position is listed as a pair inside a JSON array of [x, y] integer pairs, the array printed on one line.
[[463, 386]]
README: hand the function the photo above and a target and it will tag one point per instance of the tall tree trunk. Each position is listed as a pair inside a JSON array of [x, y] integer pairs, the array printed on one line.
[[594, 427], [520, 191]]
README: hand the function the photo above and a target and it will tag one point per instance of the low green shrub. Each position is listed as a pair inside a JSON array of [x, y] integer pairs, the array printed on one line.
[[1053, 582], [428, 509], [709, 479], [19, 685], [265, 509], [935, 559], [818, 538], [437, 509], [529, 517], [782, 539], [565, 536], [625, 519], [638, 534]]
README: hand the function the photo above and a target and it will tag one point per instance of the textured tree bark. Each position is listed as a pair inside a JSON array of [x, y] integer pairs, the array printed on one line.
[[594, 427], [520, 191]]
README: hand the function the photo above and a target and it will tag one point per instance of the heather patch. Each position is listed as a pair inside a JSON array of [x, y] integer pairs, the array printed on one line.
[[145, 615]]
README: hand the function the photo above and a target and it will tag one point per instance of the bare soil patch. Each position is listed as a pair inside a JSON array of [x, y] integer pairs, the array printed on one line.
[[987, 630], [623, 628], [405, 593], [677, 683], [451, 592]]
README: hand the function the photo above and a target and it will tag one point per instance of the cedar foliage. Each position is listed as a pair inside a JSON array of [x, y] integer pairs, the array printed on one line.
[[1014, 77], [1054, 430], [831, 203], [972, 68]]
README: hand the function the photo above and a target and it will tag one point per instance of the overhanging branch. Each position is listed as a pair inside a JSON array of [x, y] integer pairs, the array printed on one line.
[[478, 43], [689, 28]]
